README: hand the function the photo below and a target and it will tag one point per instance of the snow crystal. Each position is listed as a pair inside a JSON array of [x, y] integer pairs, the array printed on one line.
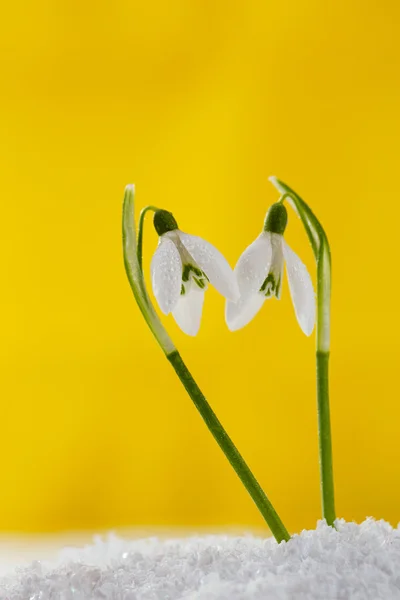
[[357, 562]]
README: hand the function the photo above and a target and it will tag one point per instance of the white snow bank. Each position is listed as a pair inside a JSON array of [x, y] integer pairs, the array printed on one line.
[[356, 562]]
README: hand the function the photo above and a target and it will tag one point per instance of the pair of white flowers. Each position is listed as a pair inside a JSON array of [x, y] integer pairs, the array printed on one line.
[[183, 265]]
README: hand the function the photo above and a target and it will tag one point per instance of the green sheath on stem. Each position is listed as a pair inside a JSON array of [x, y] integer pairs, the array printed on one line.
[[320, 245], [132, 261]]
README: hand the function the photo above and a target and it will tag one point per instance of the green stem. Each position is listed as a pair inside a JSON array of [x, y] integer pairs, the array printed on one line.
[[320, 245], [229, 449], [140, 233], [137, 283], [325, 444]]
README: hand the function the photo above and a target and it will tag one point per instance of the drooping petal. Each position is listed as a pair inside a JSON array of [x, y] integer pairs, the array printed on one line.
[[301, 289], [238, 314], [166, 274], [253, 265], [187, 313], [214, 265]]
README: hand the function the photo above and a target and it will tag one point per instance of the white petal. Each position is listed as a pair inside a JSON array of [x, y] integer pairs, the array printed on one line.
[[166, 274], [188, 311], [253, 266], [238, 314], [301, 289], [214, 265]]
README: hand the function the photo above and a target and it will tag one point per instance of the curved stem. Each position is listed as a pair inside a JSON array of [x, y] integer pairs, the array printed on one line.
[[140, 233], [320, 246], [136, 280]]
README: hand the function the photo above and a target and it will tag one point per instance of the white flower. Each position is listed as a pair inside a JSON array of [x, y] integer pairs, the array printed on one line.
[[259, 273], [182, 267]]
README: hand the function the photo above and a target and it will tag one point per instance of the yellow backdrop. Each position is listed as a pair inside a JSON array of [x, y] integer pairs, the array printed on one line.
[[196, 102]]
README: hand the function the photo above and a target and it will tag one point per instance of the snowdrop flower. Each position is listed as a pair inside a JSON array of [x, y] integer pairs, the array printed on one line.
[[182, 267], [259, 273]]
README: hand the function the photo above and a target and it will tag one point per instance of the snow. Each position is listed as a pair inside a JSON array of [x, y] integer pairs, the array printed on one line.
[[354, 562]]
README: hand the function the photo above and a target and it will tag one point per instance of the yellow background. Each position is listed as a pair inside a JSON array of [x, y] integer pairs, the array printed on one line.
[[197, 102]]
